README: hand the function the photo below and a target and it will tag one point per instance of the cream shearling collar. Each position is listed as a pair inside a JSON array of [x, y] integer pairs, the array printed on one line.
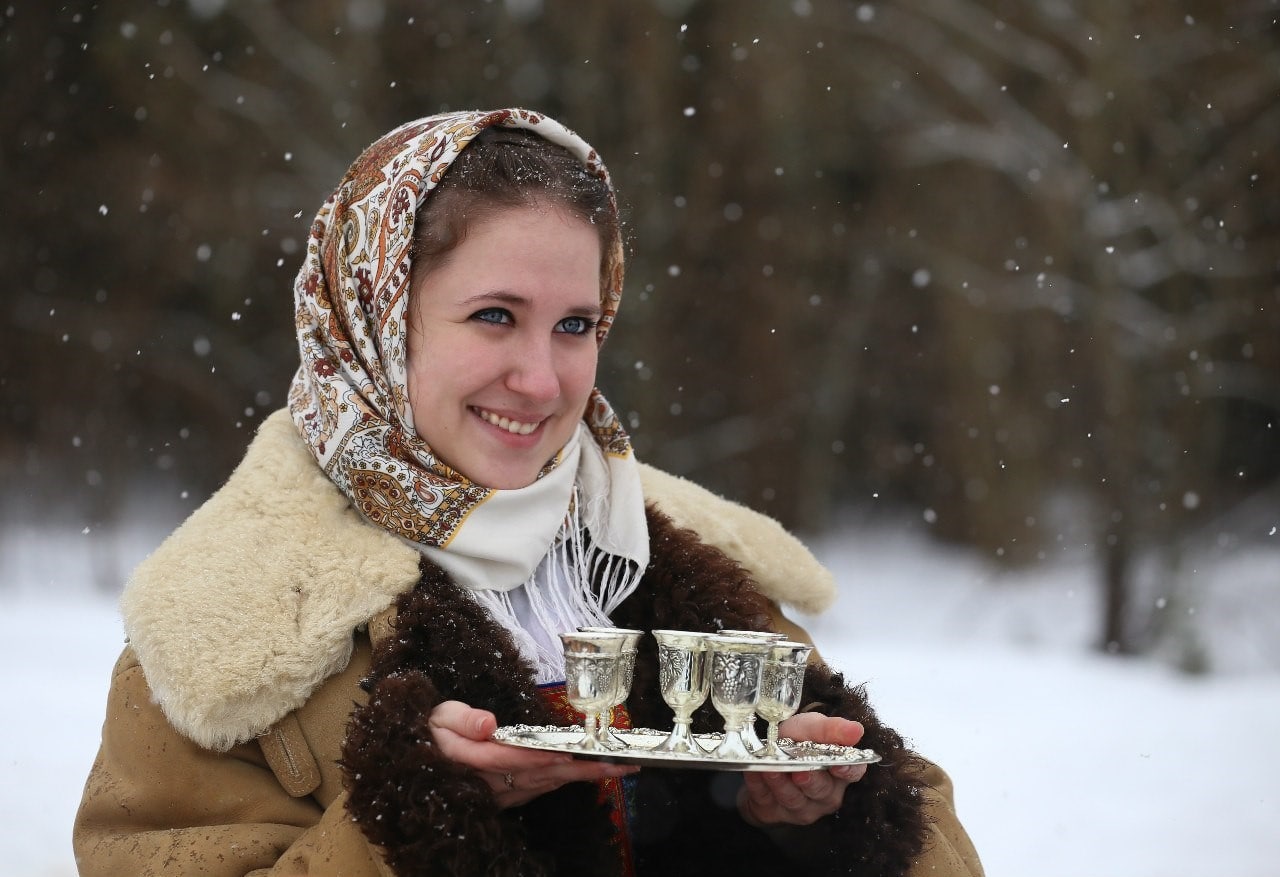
[[250, 604]]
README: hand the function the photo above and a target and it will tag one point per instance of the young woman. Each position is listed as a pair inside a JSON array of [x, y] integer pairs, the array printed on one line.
[[318, 656]]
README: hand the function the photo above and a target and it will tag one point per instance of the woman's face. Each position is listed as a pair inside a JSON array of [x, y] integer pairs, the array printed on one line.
[[502, 345]]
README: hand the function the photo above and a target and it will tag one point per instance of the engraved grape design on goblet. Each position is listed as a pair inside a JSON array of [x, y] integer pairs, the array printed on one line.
[[749, 737], [781, 684], [626, 671], [736, 667], [683, 677], [591, 665]]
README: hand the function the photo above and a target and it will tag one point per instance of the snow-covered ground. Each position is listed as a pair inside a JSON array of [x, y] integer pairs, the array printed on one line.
[[1066, 763]]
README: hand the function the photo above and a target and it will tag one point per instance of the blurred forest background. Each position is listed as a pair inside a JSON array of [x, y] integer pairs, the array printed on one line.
[[1007, 267]]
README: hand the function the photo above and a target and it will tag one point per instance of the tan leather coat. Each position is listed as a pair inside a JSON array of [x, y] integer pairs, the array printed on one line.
[[227, 712]]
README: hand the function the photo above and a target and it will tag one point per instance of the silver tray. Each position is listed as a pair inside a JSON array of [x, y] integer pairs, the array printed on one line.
[[641, 741]]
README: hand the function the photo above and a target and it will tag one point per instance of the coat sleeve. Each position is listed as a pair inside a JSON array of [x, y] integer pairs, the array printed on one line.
[[156, 803], [948, 849]]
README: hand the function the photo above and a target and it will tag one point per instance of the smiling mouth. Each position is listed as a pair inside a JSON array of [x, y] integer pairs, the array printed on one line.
[[515, 427]]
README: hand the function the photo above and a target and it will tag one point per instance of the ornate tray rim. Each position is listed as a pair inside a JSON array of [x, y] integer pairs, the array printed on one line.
[[805, 755]]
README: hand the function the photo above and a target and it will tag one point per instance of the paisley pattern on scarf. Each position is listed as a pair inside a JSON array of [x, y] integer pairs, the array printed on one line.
[[349, 397]]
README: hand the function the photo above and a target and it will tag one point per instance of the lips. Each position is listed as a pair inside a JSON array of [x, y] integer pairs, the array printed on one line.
[[515, 427]]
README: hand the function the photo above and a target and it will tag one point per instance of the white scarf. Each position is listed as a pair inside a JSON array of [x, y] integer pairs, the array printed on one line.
[[602, 538]]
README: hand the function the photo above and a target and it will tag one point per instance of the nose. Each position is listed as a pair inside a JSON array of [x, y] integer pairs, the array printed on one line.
[[533, 373]]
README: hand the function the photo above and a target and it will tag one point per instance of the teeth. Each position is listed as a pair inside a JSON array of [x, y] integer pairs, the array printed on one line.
[[515, 427]]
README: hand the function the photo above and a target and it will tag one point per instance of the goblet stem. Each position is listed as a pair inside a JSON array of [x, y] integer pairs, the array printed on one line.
[[590, 742], [771, 748], [732, 745], [749, 736], [605, 736], [681, 737]]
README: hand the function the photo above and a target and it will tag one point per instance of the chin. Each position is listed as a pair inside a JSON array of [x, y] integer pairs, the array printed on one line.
[[507, 480], [498, 466]]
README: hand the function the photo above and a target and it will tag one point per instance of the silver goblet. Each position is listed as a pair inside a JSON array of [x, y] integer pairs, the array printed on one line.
[[737, 664], [780, 687], [685, 681], [591, 664], [749, 736], [626, 671]]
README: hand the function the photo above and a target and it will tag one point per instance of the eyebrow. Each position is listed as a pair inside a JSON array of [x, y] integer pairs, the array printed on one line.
[[511, 298]]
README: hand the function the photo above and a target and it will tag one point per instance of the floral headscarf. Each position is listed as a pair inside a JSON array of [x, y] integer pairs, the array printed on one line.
[[350, 399]]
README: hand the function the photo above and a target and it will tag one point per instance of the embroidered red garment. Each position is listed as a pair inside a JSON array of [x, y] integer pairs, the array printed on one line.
[[613, 791]]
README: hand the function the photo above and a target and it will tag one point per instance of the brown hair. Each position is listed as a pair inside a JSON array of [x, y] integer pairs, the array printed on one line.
[[503, 168]]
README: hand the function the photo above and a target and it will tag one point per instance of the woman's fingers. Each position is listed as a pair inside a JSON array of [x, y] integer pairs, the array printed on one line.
[[462, 732], [803, 797], [792, 798], [849, 772], [817, 728], [516, 787], [465, 721], [515, 775], [784, 790]]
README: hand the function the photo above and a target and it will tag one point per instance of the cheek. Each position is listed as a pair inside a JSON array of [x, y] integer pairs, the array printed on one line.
[[435, 362], [413, 362], [415, 375], [428, 387], [581, 375]]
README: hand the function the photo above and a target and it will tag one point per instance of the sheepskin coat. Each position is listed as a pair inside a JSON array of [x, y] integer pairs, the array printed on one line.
[[241, 736]]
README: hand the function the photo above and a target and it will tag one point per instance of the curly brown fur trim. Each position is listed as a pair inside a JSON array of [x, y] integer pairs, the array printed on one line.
[[883, 821], [430, 815]]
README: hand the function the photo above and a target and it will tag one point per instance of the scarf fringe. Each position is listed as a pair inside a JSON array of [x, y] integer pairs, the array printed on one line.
[[577, 584]]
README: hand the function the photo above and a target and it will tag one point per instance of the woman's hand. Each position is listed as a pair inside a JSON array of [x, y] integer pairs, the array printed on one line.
[[516, 775], [803, 797]]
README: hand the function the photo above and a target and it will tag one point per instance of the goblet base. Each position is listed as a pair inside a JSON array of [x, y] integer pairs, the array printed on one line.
[[732, 746], [680, 741]]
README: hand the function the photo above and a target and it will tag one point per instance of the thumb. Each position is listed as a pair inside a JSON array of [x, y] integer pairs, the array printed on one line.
[[481, 724], [465, 721]]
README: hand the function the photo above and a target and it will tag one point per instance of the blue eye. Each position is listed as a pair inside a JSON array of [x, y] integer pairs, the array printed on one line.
[[576, 325], [497, 316]]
